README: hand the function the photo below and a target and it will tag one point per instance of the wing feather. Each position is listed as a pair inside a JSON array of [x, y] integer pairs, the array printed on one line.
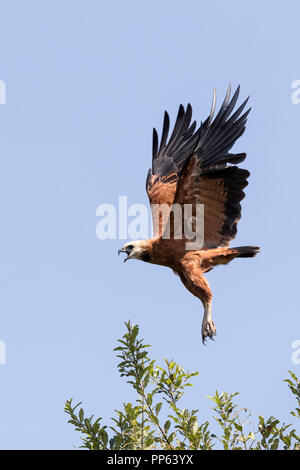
[[208, 177], [194, 166], [168, 158]]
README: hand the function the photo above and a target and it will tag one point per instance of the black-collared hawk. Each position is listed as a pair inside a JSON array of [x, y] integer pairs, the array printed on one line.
[[193, 167]]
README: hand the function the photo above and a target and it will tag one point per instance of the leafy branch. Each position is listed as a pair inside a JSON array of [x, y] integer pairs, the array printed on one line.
[[158, 390]]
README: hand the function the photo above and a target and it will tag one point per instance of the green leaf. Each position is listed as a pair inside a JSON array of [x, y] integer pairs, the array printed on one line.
[[167, 426], [157, 408]]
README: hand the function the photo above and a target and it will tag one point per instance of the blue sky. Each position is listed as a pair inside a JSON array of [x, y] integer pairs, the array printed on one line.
[[86, 81]]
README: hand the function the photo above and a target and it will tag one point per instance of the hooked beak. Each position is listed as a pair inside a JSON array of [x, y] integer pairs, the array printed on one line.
[[123, 250]]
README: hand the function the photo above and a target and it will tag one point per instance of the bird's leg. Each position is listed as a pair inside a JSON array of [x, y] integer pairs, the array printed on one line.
[[208, 326]]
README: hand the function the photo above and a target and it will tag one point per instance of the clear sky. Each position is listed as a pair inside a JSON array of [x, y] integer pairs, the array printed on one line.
[[85, 83]]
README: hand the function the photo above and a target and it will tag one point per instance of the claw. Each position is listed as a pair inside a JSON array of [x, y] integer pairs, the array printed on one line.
[[208, 330]]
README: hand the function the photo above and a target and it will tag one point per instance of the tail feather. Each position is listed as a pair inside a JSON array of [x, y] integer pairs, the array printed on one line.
[[246, 251], [225, 255]]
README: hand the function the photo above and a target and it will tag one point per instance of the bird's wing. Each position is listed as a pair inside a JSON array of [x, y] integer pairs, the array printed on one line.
[[168, 159], [208, 177]]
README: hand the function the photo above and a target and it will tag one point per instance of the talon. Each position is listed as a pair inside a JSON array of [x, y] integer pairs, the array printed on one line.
[[208, 330]]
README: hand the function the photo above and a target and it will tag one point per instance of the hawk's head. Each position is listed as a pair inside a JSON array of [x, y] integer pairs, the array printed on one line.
[[138, 249]]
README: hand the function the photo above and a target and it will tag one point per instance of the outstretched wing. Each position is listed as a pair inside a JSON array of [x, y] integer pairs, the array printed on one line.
[[208, 177], [168, 160]]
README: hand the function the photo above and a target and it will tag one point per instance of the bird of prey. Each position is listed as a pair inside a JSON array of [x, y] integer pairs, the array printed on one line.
[[194, 167]]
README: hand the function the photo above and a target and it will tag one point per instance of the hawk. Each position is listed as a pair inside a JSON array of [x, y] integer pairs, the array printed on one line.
[[193, 167]]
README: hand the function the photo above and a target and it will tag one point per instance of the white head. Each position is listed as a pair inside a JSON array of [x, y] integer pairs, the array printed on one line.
[[136, 250]]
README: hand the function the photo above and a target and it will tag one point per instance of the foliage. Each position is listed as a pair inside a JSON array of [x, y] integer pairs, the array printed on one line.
[[141, 426]]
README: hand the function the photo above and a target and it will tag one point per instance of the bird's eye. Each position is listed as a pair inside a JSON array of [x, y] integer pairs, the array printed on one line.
[[130, 247]]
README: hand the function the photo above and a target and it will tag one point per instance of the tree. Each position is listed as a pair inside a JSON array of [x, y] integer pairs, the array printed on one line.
[[140, 425]]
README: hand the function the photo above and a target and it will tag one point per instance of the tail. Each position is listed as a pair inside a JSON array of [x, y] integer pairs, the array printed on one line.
[[245, 251], [218, 256]]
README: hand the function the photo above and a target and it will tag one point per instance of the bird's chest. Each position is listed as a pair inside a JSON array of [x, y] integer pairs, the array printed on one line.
[[168, 253]]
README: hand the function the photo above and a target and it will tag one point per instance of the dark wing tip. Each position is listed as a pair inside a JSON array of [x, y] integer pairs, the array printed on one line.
[[213, 107], [189, 108], [154, 144], [171, 152], [218, 135]]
